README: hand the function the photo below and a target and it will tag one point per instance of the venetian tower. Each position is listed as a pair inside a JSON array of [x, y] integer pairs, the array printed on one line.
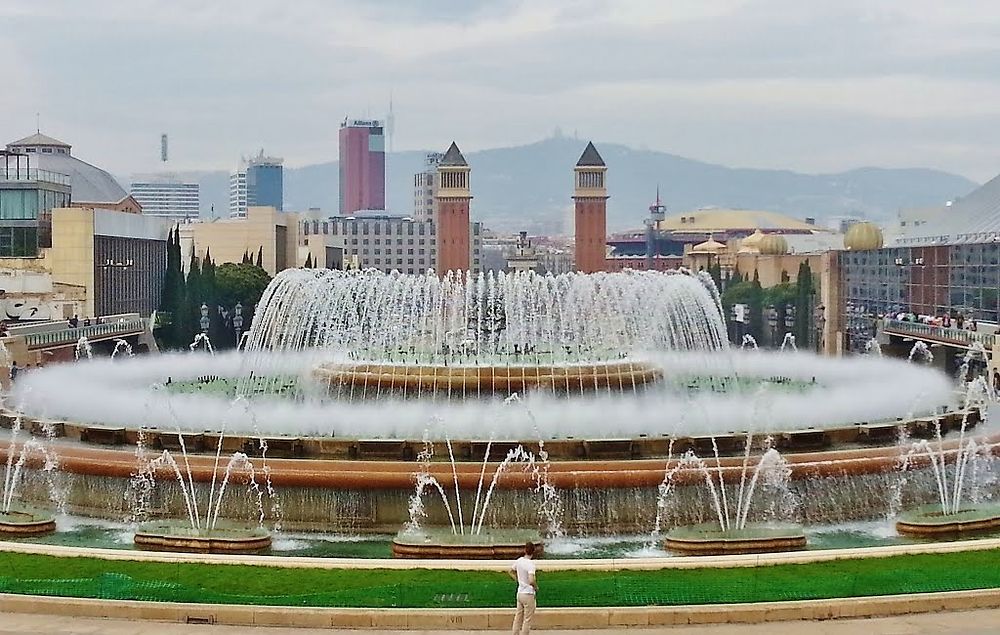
[[453, 198], [590, 196]]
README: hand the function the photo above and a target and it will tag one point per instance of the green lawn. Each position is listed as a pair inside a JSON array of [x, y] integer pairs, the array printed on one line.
[[237, 584]]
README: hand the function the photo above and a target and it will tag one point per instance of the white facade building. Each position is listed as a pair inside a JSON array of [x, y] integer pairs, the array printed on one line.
[[425, 189], [164, 195], [238, 192]]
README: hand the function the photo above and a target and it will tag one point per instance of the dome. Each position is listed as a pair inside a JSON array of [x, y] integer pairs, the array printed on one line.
[[863, 236], [710, 246], [773, 245], [752, 242]]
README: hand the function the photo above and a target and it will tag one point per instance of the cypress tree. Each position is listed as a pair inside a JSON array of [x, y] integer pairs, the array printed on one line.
[[756, 308], [193, 299], [260, 257], [309, 261]]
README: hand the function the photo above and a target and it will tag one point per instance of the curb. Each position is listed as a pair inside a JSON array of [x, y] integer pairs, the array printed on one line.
[[490, 619]]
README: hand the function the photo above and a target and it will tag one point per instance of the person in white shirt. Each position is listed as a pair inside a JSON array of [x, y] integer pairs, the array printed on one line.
[[523, 572]]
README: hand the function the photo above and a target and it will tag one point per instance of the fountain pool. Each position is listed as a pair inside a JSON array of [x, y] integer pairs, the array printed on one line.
[[347, 378]]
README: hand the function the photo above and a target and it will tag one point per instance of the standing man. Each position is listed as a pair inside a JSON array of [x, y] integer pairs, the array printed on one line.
[[523, 572]]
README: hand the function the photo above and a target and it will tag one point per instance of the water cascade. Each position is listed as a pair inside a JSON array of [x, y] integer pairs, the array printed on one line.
[[121, 345], [83, 349], [17, 519], [920, 354]]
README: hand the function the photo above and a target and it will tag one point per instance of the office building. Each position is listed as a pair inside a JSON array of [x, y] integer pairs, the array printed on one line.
[[280, 238], [167, 196], [391, 243], [257, 182], [362, 166], [425, 188]]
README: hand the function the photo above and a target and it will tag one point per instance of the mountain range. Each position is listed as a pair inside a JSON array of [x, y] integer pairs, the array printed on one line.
[[528, 187]]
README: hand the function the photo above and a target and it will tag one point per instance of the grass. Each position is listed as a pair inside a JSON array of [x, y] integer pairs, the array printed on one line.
[[240, 584]]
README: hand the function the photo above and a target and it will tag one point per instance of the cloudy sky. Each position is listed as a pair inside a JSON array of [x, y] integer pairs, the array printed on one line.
[[815, 85]]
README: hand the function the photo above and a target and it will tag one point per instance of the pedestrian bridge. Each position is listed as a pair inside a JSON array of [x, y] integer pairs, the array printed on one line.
[[945, 336]]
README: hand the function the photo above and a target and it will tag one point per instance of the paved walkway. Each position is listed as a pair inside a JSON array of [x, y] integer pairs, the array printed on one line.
[[985, 622]]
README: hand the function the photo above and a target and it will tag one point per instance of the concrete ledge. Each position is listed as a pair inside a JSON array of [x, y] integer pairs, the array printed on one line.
[[608, 564], [500, 619]]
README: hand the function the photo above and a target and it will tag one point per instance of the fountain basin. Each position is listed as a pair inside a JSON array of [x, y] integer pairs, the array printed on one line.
[[930, 520], [492, 544], [709, 540], [175, 536], [477, 380], [22, 521]]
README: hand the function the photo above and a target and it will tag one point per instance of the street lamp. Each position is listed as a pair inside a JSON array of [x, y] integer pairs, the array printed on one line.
[[772, 323], [204, 321], [819, 321], [238, 321]]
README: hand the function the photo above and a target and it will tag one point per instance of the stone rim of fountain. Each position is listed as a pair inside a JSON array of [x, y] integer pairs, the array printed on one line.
[[172, 535], [709, 540], [930, 520], [23, 520], [441, 543]]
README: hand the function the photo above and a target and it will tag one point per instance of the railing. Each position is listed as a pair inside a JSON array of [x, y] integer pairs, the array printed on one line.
[[33, 174], [939, 333], [94, 331]]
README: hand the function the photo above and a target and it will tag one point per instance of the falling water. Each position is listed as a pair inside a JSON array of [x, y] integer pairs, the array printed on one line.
[[201, 339], [789, 342], [487, 319], [83, 348], [872, 347], [921, 354], [121, 345], [961, 482], [749, 341], [17, 462]]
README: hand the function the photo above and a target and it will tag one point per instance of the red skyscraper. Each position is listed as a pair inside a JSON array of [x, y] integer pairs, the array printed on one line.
[[362, 166]]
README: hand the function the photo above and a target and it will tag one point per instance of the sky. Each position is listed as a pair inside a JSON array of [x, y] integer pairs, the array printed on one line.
[[815, 86]]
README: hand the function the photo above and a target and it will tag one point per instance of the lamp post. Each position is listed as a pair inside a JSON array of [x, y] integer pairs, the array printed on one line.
[[238, 321], [205, 321], [819, 321], [772, 323]]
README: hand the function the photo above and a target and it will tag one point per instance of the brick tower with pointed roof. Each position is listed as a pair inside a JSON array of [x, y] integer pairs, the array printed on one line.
[[590, 196], [453, 198]]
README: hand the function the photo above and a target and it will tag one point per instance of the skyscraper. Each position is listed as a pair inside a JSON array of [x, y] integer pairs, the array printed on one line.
[[258, 181], [165, 195], [425, 187], [362, 166]]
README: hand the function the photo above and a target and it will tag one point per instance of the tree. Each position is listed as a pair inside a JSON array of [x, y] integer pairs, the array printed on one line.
[[243, 283], [756, 302], [309, 261], [260, 257], [172, 298], [193, 299], [804, 292]]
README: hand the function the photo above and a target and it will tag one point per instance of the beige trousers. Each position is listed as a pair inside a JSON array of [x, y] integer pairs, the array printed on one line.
[[525, 611]]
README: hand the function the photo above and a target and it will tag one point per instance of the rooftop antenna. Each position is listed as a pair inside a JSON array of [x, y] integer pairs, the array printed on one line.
[[38, 123], [163, 148]]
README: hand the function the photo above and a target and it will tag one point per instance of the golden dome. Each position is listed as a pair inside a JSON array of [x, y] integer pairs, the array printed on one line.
[[752, 242], [710, 246], [863, 236], [773, 245]]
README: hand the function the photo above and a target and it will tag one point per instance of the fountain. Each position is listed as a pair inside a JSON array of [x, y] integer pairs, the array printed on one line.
[[469, 540], [732, 533], [83, 348], [121, 345], [17, 519], [960, 507], [789, 342], [872, 347], [749, 341], [201, 339], [920, 353], [203, 531], [341, 371]]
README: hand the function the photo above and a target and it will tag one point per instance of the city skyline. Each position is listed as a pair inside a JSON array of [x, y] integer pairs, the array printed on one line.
[[813, 89]]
